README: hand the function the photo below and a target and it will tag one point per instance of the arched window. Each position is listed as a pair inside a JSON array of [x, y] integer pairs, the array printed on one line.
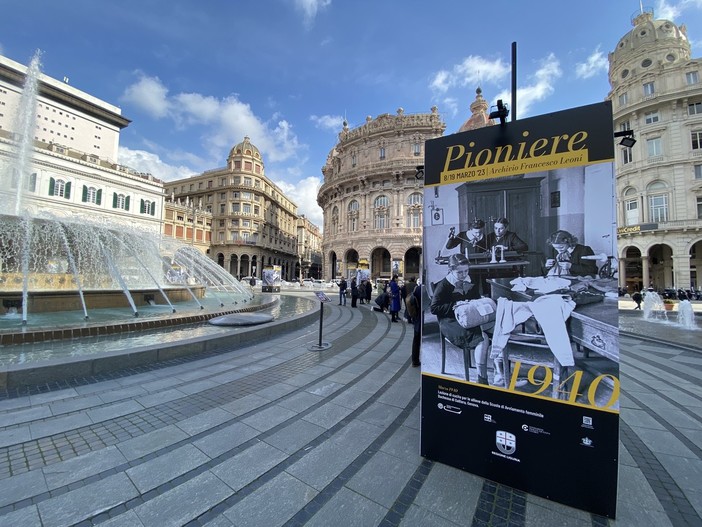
[[59, 188], [381, 212], [657, 201], [631, 207], [413, 219]]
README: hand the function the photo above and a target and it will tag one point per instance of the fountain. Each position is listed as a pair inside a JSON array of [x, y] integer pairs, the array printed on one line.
[[686, 316], [653, 307], [56, 264]]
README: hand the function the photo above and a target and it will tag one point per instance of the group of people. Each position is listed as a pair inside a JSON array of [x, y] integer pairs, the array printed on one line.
[[360, 292], [474, 240], [568, 256]]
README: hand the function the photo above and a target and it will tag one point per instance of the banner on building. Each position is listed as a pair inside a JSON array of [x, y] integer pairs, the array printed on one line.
[[520, 347]]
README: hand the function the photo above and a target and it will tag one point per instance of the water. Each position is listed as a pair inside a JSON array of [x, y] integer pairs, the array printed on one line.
[[653, 307], [41, 254], [288, 306], [686, 316]]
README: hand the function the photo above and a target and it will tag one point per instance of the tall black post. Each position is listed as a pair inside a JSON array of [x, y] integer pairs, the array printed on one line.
[[514, 81]]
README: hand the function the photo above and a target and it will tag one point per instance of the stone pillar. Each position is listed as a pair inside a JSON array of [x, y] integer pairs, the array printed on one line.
[[681, 271], [622, 272], [644, 272]]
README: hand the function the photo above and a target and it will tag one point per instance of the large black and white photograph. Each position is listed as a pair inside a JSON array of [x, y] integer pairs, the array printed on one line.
[[516, 275]]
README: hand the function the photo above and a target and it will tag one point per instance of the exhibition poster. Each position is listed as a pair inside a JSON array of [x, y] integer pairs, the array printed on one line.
[[520, 342]]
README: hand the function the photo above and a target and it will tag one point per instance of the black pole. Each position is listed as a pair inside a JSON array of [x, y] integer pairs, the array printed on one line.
[[321, 321], [514, 81]]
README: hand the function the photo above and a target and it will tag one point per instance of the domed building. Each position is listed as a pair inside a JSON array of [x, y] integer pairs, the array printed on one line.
[[656, 92], [253, 223], [372, 198]]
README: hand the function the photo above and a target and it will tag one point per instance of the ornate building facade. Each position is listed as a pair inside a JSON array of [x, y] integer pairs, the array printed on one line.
[[309, 249], [184, 221], [253, 223], [657, 93], [372, 198]]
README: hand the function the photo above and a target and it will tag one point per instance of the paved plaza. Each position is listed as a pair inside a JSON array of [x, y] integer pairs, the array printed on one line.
[[275, 433]]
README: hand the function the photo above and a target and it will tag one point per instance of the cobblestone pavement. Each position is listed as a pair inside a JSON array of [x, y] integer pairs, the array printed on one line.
[[276, 434]]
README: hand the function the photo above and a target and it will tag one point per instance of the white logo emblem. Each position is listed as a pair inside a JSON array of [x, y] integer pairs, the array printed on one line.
[[487, 418], [506, 442], [587, 420]]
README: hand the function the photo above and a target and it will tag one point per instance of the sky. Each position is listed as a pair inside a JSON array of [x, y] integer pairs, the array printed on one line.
[[196, 76]]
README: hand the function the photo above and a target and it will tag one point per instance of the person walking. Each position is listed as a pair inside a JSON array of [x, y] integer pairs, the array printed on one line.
[[369, 291], [636, 297], [342, 291]]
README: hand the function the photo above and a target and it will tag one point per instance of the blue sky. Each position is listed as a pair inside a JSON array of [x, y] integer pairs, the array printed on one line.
[[196, 76]]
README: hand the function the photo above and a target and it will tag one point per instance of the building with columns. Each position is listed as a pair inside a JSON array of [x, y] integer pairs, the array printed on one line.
[[309, 249], [372, 198], [254, 224], [657, 93]]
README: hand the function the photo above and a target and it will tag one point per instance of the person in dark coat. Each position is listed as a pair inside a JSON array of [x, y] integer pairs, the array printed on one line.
[[472, 240], [354, 292], [395, 304], [369, 291], [569, 257], [417, 321], [636, 297]]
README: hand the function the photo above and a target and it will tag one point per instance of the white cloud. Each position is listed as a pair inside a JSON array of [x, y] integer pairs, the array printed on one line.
[[473, 70], [671, 11], [143, 161], [225, 122], [596, 63], [328, 122], [541, 87], [149, 94], [304, 193], [309, 9]]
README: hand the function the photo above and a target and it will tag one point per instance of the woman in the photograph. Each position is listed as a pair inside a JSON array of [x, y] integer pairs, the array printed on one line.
[[505, 238], [569, 257]]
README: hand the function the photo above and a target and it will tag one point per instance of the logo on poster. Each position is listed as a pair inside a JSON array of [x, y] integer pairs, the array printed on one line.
[[587, 422], [487, 418], [586, 441], [506, 442]]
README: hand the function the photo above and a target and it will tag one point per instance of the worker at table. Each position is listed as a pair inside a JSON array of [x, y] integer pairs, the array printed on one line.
[[472, 240], [502, 237], [569, 257]]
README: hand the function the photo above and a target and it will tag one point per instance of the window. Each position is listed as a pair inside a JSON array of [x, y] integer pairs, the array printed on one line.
[[382, 152], [222, 208], [627, 156], [381, 201], [648, 89], [632, 212], [414, 199], [246, 195], [624, 99], [694, 109], [353, 160], [651, 117], [120, 201], [696, 138], [148, 207], [699, 208], [60, 188], [658, 206], [654, 147], [353, 206], [692, 77], [246, 207], [248, 182], [698, 171], [236, 207], [658, 201], [91, 195], [417, 149]]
